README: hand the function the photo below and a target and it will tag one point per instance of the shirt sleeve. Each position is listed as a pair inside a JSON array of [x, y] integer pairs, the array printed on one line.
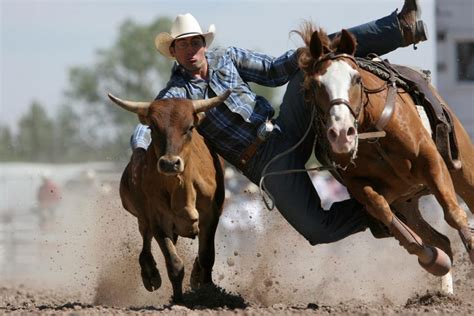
[[172, 92], [264, 69], [141, 137]]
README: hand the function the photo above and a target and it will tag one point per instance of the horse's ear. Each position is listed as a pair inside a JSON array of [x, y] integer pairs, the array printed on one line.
[[316, 46], [347, 43]]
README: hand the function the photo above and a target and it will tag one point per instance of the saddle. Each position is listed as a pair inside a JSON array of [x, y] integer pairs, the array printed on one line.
[[416, 83]]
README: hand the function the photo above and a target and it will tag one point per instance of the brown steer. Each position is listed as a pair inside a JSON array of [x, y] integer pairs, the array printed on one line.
[[179, 190]]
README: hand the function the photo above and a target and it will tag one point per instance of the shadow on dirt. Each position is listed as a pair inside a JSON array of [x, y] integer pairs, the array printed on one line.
[[212, 296], [433, 299]]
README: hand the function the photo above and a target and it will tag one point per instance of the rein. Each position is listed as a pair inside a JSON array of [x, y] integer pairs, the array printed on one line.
[[384, 117], [381, 123], [261, 186]]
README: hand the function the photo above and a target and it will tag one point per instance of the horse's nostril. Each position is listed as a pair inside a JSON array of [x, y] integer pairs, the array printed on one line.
[[332, 135], [351, 131]]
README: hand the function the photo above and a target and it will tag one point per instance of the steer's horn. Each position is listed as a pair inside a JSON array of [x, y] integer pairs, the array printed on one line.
[[132, 106], [204, 105]]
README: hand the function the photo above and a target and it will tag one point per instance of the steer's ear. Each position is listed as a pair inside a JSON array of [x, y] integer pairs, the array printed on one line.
[[198, 117]]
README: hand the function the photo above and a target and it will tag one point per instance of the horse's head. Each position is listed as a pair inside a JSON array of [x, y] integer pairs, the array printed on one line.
[[333, 84]]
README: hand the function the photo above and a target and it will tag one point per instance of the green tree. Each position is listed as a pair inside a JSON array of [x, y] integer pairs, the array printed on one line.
[[131, 69], [68, 145], [35, 137], [7, 151]]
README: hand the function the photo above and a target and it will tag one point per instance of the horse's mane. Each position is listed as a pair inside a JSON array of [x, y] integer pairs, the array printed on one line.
[[306, 62]]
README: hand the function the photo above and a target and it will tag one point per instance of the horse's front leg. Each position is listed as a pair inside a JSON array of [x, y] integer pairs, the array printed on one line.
[[432, 259]]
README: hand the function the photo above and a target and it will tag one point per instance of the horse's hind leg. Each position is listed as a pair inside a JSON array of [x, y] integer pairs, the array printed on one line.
[[441, 185], [463, 179]]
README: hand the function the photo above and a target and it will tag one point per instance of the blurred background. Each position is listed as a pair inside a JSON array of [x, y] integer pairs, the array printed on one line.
[[63, 145]]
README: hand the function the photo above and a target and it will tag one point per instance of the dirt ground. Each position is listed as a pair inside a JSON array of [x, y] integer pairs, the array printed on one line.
[[87, 263]]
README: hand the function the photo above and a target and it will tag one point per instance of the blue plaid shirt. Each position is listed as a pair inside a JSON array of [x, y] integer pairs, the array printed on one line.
[[232, 126]]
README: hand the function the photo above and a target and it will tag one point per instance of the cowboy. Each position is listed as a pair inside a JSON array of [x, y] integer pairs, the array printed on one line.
[[243, 129]]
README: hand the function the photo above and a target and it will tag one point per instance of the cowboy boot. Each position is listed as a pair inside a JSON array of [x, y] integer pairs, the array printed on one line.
[[432, 259], [413, 29]]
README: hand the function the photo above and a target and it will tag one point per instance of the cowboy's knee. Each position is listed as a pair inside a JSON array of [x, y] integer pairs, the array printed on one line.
[[319, 236]]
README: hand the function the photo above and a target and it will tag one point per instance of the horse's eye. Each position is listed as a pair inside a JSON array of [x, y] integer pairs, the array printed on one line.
[[357, 79], [316, 84]]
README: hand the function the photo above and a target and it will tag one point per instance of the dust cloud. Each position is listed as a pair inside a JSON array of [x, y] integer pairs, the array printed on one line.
[[90, 252]]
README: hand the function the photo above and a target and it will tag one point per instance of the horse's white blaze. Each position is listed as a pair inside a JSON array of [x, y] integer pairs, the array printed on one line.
[[337, 82], [339, 121]]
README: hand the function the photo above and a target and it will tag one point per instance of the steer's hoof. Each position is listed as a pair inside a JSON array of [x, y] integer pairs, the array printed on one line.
[[440, 265], [152, 282]]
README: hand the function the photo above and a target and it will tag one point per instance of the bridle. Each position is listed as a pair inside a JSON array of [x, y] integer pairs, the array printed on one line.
[[356, 112]]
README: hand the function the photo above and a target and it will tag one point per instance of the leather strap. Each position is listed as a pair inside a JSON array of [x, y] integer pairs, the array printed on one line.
[[388, 109], [389, 102], [249, 152]]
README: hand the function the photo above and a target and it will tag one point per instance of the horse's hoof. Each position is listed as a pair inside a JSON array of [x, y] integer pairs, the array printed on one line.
[[471, 255], [440, 265], [466, 235]]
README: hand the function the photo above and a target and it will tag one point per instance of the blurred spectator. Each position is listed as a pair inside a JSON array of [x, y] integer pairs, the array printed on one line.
[[48, 198], [329, 189]]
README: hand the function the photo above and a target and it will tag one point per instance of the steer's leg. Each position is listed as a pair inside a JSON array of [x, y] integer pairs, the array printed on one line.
[[174, 264], [150, 274], [202, 269]]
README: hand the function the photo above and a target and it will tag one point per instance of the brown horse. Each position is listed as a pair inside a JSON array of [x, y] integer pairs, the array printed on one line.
[[387, 174]]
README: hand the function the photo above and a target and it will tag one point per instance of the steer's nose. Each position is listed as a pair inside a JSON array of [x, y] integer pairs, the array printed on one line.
[[173, 164]]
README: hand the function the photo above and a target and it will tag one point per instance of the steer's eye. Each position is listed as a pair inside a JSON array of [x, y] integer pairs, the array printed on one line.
[[190, 130]]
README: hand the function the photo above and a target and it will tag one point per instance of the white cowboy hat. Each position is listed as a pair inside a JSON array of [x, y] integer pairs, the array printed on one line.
[[185, 25]]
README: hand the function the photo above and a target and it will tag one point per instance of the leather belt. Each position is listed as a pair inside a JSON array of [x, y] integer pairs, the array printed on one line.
[[249, 152]]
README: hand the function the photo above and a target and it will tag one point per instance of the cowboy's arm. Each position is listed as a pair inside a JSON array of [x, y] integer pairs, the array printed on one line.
[[264, 69]]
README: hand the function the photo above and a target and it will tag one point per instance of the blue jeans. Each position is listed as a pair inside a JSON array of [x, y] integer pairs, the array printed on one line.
[[294, 194]]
